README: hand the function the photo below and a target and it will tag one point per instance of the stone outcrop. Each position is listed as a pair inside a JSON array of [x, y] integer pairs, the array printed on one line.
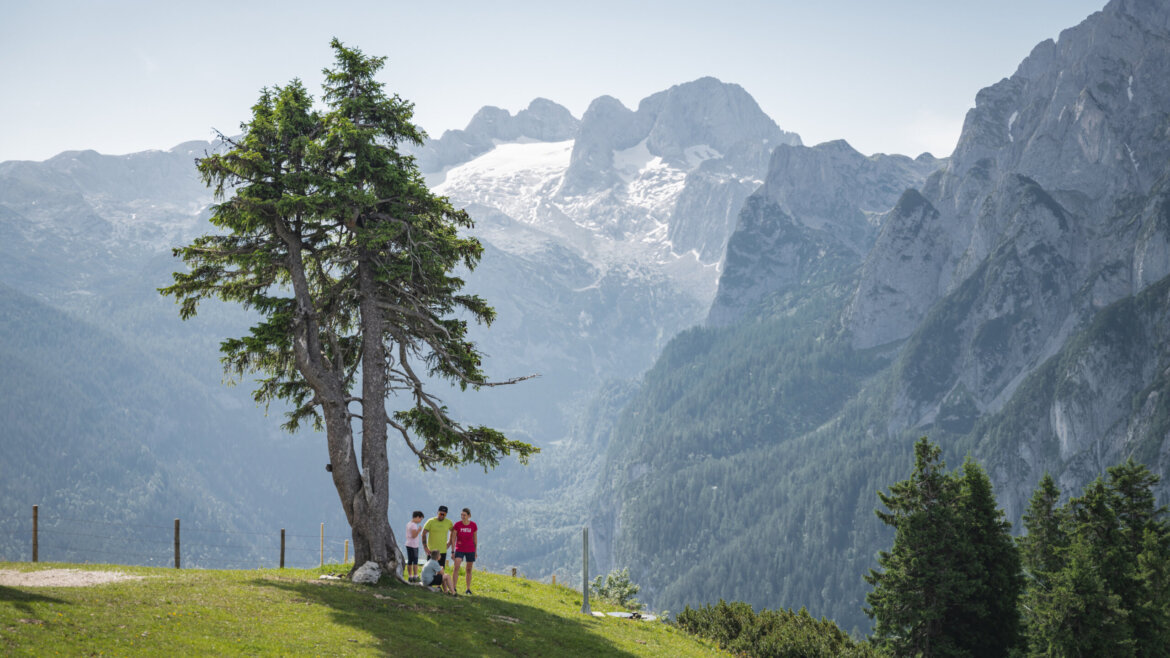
[[814, 219]]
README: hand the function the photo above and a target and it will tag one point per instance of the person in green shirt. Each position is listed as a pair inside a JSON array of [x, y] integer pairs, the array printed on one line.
[[436, 534]]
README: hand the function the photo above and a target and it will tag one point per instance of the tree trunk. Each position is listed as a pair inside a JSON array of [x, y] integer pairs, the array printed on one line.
[[365, 509], [373, 538], [362, 489]]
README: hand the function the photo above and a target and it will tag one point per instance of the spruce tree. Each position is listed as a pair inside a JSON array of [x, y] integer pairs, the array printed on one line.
[[916, 584], [1043, 554], [986, 620], [328, 231], [1045, 535], [951, 583], [1150, 615], [1098, 576], [1074, 613], [1141, 575]]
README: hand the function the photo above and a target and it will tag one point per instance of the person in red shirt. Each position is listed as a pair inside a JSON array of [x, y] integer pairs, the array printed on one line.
[[464, 532]]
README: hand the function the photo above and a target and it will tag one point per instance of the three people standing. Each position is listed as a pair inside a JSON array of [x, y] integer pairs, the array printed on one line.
[[438, 535]]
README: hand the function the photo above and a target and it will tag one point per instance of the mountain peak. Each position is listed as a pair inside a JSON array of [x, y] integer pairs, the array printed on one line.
[[542, 121], [705, 119], [837, 145], [707, 112], [1095, 95], [1151, 13], [489, 120], [604, 107]]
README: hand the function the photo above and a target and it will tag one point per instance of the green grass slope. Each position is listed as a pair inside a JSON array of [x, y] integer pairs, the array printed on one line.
[[290, 612]]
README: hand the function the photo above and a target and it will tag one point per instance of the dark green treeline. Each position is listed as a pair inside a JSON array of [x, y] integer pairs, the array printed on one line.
[[1089, 578]]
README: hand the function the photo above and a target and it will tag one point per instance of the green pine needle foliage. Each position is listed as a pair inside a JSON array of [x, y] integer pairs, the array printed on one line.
[[616, 588], [771, 633]]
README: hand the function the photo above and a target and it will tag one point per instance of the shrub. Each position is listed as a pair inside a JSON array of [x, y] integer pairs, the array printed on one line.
[[737, 628], [617, 589]]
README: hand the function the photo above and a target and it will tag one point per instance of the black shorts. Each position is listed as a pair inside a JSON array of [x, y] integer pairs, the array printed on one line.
[[442, 559], [411, 555], [465, 556], [437, 581]]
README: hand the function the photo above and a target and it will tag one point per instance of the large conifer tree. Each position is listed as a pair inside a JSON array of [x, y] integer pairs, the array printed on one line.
[[1142, 583], [986, 620], [331, 235], [1098, 569], [950, 584], [1042, 553], [916, 583], [1045, 536], [1073, 611]]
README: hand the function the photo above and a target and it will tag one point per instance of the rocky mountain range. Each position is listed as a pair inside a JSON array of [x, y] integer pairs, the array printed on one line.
[[739, 336], [598, 250], [606, 235], [818, 211], [1009, 302], [1050, 211]]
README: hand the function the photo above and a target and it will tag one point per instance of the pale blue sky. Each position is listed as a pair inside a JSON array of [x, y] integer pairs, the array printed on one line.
[[893, 76]]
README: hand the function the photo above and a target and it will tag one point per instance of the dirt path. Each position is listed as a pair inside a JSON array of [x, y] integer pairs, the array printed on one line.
[[60, 578]]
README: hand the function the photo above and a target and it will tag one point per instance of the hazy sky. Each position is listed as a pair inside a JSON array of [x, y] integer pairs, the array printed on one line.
[[894, 76]]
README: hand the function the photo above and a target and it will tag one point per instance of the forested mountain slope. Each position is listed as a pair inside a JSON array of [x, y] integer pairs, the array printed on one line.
[[603, 237], [97, 432], [1012, 306]]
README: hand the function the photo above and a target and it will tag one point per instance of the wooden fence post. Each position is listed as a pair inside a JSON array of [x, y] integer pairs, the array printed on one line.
[[176, 543], [282, 548], [554, 580], [585, 572], [35, 547], [345, 560]]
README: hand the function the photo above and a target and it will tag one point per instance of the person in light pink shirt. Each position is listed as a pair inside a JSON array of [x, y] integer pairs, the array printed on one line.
[[465, 544], [412, 532]]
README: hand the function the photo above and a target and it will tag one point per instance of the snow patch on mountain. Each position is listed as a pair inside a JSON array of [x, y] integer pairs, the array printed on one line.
[[511, 177], [697, 155], [630, 163], [656, 189], [628, 222]]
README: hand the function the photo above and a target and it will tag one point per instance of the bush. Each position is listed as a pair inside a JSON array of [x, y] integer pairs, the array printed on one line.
[[772, 633], [617, 589]]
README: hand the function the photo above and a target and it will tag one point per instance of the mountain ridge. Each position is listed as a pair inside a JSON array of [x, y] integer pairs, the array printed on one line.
[[1010, 307], [577, 303]]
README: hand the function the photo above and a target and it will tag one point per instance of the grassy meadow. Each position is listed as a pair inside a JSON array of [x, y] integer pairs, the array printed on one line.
[[292, 612]]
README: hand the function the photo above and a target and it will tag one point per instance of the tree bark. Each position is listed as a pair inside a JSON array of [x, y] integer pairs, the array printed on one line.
[[373, 538], [363, 489]]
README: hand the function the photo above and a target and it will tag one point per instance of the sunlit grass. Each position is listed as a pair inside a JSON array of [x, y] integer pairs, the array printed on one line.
[[292, 612]]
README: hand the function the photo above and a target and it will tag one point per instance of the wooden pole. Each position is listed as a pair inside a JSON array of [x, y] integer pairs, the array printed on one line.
[[585, 572], [345, 560], [176, 543], [554, 580], [322, 544], [282, 548], [35, 546]]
